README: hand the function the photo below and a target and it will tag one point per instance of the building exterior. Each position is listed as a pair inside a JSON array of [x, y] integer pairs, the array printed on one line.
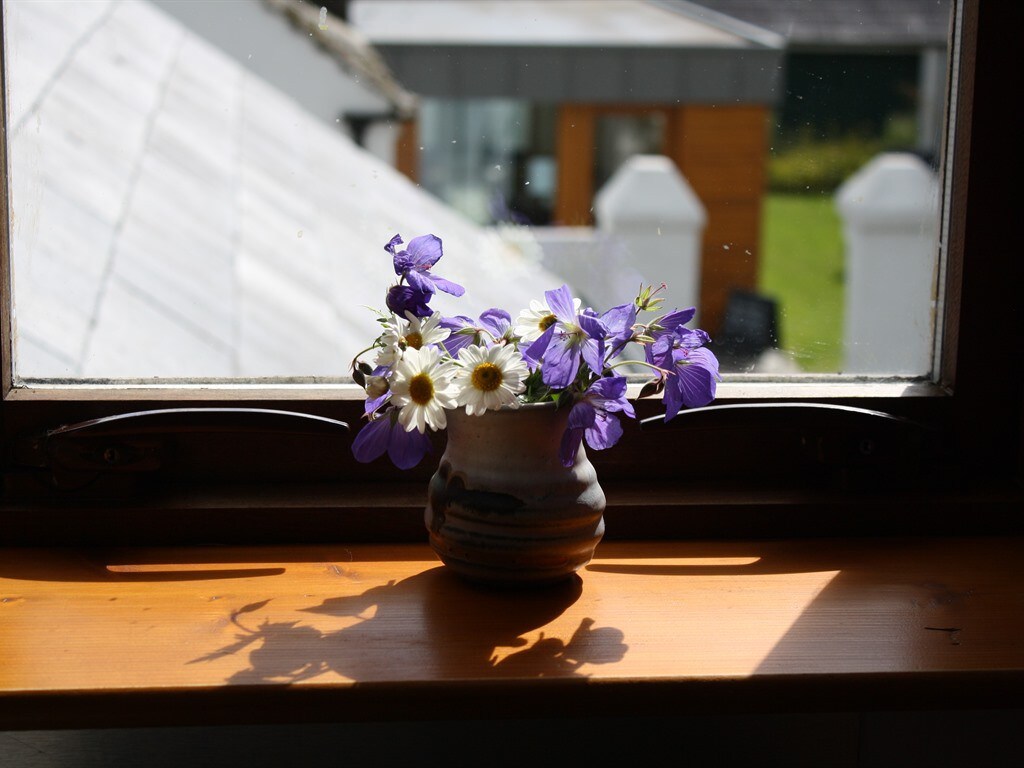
[[575, 87]]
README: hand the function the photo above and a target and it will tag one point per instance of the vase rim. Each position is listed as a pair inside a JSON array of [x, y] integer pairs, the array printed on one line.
[[547, 405]]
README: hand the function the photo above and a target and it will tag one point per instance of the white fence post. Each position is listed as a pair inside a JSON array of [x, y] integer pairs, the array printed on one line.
[[651, 210], [890, 213]]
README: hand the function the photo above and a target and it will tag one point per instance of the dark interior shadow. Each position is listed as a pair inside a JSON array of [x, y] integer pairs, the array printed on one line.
[[430, 625]]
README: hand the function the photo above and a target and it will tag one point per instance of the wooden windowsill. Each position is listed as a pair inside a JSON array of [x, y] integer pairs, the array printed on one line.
[[162, 636]]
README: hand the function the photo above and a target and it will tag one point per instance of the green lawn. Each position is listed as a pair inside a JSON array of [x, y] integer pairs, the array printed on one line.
[[802, 269]]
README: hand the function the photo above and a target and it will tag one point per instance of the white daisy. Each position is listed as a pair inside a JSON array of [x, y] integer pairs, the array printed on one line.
[[490, 378], [422, 387], [414, 333], [532, 322]]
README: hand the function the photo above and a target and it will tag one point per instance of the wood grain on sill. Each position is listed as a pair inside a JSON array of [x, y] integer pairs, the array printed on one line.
[[203, 635]]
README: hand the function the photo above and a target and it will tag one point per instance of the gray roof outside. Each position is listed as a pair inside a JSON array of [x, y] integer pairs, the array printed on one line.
[[864, 24], [621, 51], [172, 215]]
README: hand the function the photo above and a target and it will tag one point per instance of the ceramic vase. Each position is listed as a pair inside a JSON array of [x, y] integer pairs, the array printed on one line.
[[502, 509]]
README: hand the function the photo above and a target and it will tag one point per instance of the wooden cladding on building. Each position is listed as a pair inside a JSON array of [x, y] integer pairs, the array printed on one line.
[[722, 152]]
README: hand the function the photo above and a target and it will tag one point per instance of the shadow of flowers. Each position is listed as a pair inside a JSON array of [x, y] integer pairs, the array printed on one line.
[[427, 626]]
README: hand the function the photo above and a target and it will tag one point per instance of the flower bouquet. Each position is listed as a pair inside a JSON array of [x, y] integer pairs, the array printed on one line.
[[555, 351], [515, 498]]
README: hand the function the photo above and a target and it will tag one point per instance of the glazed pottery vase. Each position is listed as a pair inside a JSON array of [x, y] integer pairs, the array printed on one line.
[[502, 509]]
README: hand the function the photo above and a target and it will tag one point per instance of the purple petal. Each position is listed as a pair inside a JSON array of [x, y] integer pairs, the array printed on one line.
[[395, 241], [561, 304], [693, 384], [420, 281], [458, 341], [605, 433], [582, 415], [692, 339], [376, 403], [676, 318], [609, 388], [535, 352], [593, 326], [497, 322], [561, 363], [425, 250], [446, 285], [372, 440], [570, 446], [619, 321], [404, 298], [660, 352], [407, 449], [673, 397], [593, 354]]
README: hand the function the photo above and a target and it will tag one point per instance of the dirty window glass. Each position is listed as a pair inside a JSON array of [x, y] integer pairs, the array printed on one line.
[[204, 190]]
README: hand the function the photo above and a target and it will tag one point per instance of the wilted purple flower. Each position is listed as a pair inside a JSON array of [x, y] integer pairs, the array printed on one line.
[[405, 298], [562, 346], [384, 434], [593, 417], [414, 264]]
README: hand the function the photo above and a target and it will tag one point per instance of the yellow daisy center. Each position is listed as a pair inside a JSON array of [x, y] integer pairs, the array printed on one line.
[[487, 377], [546, 322], [421, 389], [413, 340]]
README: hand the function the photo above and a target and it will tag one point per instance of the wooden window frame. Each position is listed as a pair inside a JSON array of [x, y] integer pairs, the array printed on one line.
[[661, 482]]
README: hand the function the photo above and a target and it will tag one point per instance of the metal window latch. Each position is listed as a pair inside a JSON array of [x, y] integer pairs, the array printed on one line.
[[835, 444], [174, 439]]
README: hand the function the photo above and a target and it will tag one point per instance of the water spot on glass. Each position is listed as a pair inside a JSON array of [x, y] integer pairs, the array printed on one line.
[[322, 23]]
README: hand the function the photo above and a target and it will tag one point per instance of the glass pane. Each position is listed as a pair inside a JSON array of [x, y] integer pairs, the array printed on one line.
[[204, 190]]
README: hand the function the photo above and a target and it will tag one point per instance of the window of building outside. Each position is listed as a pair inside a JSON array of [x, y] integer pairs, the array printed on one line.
[[199, 194]]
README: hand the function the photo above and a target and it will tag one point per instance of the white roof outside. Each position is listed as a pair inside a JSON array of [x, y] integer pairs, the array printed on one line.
[[622, 23], [582, 51], [175, 216]]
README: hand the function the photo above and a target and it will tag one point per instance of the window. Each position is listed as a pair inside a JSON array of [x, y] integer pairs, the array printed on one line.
[[973, 405]]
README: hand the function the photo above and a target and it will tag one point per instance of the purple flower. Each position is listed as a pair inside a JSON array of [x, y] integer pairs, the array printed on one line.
[[692, 369], [497, 322], [405, 298], [493, 325], [566, 342], [414, 264], [384, 434], [593, 416]]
